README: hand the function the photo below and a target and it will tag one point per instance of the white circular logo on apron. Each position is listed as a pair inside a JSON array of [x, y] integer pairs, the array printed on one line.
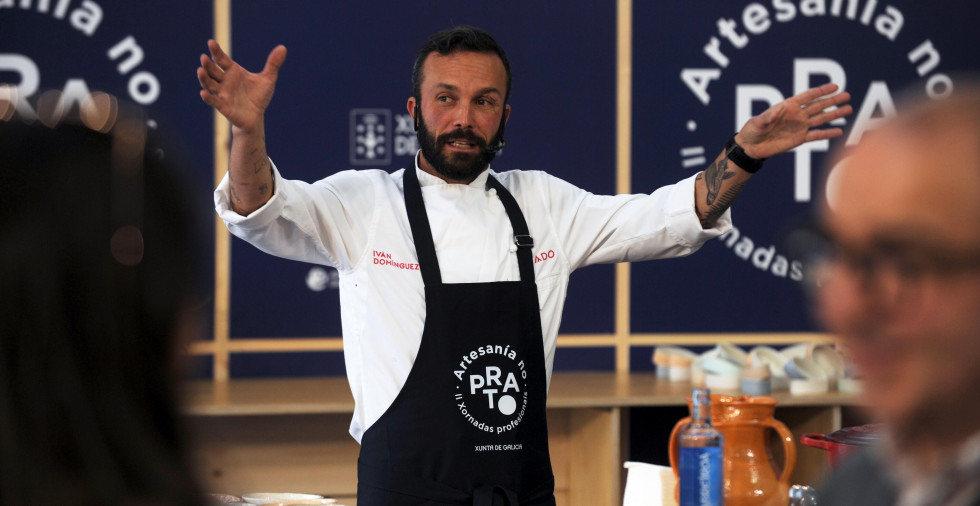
[[491, 388]]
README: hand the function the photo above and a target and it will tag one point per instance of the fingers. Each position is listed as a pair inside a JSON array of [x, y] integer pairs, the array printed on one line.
[[818, 105], [831, 115], [827, 133], [209, 84], [208, 98], [212, 69], [275, 60], [218, 54], [814, 93]]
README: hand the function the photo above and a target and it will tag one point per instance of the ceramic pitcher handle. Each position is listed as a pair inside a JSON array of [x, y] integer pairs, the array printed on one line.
[[788, 446]]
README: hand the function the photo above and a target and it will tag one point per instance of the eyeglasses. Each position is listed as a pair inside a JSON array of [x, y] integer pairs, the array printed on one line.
[[892, 270]]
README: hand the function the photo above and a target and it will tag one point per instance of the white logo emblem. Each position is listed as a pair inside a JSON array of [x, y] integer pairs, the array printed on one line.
[[370, 136], [703, 78], [491, 389]]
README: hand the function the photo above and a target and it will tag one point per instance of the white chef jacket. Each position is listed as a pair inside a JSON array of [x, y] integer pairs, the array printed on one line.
[[355, 221]]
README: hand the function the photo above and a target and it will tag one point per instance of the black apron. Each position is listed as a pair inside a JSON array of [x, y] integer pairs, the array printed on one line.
[[469, 425]]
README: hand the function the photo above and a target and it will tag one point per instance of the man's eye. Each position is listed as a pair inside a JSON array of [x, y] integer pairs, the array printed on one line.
[[908, 268]]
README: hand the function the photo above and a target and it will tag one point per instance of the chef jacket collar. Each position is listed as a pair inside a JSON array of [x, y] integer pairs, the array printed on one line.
[[426, 179]]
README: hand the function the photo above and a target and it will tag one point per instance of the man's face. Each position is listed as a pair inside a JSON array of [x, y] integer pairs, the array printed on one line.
[[904, 292], [462, 109]]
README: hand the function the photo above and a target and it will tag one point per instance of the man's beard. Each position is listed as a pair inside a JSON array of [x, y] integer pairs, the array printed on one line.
[[460, 166]]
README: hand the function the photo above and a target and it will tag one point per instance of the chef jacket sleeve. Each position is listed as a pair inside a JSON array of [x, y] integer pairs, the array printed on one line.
[[304, 221], [629, 228]]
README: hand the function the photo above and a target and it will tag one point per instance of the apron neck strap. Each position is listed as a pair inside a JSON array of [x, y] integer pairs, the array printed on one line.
[[418, 220], [522, 236]]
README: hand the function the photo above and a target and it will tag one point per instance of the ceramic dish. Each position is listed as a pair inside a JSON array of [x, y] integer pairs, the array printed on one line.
[[283, 498], [756, 386], [733, 353], [826, 356], [718, 382], [796, 350], [804, 368], [808, 386], [849, 386], [757, 373], [721, 367], [663, 356], [765, 355]]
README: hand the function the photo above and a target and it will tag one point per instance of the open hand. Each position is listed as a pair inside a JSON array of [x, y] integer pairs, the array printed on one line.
[[792, 122], [236, 93]]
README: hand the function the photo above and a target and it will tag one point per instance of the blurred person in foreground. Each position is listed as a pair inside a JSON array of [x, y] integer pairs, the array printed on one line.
[[95, 291], [902, 291]]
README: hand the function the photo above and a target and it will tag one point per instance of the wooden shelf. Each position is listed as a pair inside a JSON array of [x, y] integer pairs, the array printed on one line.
[[291, 434]]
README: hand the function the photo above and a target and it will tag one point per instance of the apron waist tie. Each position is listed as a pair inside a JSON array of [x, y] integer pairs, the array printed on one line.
[[484, 495], [494, 495]]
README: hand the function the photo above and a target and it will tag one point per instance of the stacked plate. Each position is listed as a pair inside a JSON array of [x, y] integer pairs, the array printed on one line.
[[285, 498], [806, 368]]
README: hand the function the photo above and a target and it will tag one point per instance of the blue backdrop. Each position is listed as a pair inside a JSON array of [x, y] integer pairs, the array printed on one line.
[[699, 69]]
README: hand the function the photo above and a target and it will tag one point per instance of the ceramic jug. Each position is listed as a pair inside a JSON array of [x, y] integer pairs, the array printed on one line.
[[749, 475]]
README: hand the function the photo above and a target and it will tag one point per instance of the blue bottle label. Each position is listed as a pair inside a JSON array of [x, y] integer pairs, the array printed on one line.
[[700, 476]]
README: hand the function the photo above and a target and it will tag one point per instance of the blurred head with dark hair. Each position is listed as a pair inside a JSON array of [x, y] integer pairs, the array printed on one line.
[[95, 294]]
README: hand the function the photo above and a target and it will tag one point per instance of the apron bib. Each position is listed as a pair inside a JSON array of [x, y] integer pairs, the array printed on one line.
[[468, 426]]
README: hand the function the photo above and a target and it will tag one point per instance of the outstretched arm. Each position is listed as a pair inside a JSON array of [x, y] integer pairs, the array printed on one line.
[[242, 97], [780, 128]]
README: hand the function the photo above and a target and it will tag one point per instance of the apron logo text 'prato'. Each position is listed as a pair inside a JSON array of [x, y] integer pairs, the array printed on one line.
[[491, 390]]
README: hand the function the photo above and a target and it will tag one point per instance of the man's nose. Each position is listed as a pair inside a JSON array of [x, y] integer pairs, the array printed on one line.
[[462, 116]]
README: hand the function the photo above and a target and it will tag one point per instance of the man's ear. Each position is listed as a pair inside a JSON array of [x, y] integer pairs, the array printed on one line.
[[413, 110]]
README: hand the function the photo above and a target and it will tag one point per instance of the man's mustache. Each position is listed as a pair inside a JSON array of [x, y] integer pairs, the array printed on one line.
[[460, 134]]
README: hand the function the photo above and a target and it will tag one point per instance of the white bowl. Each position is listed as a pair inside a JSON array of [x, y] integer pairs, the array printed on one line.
[[664, 355], [718, 382], [804, 368], [733, 353], [850, 386], [826, 356], [756, 386], [280, 497], [760, 372], [796, 350], [808, 386], [767, 355], [721, 366], [679, 373]]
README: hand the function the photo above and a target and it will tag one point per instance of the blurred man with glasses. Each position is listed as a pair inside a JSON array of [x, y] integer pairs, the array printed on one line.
[[899, 283]]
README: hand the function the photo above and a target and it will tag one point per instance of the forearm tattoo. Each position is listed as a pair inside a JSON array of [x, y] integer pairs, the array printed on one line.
[[260, 163], [234, 196], [714, 177]]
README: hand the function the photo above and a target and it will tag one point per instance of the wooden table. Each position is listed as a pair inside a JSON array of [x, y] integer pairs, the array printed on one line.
[[292, 434]]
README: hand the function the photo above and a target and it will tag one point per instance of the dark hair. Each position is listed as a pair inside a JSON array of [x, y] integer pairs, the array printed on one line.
[[90, 317], [459, 38]]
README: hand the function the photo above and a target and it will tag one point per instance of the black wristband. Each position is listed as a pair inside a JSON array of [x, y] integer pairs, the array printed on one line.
[[735, 153]]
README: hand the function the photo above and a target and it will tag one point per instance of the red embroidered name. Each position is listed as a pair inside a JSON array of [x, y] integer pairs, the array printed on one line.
[[384, 258], [547, 255]]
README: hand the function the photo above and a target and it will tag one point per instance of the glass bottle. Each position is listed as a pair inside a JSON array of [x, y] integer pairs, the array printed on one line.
[[701, 459]]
